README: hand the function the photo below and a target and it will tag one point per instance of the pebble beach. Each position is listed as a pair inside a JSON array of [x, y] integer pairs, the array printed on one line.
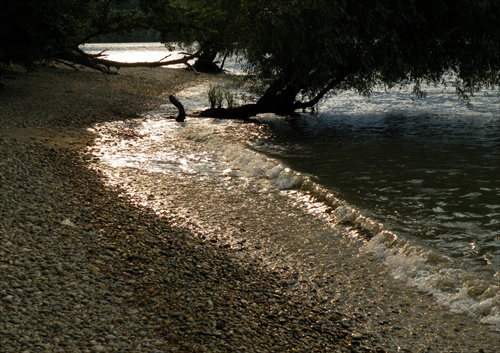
[[84, 268]]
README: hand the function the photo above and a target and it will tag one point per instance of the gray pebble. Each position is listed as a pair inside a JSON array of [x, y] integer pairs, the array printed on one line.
[[110, 337]]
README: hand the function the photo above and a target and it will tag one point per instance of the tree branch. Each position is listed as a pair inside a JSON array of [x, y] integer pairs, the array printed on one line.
[[331, 85], [182, 113], [336, 80]]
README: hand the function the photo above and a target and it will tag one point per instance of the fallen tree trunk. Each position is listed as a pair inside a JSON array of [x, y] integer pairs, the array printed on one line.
[[117, 64], [242, 112], [77, 56], [280, 98], [96, 62]]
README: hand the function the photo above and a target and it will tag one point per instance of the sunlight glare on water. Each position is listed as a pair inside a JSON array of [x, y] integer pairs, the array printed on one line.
[[423, 173], [134, 52]]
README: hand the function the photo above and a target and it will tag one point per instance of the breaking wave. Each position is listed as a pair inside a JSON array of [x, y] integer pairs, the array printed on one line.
[[454, 286]]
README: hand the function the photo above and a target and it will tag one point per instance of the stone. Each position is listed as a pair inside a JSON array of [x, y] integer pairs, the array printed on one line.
[[8, 299], [57, 307], [357, 335], [110, 337]]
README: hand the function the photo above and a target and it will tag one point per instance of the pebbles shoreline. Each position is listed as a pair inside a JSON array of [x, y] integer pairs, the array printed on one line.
[[85, 269]]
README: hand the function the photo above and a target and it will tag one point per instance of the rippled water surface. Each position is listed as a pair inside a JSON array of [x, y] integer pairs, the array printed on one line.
[[421, 176], [433, 178], [427, 170]]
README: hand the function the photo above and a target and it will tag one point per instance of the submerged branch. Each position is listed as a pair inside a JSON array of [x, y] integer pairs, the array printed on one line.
[[182, 113], [242, 112]]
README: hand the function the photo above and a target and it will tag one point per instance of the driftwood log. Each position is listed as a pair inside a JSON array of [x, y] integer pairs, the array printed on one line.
[[182, 113]]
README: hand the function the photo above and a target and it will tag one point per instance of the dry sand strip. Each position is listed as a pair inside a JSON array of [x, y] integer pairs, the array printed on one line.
[[84, 269]]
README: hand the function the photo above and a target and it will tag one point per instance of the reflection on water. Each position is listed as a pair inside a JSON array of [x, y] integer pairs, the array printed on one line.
[[429, 171], [133, 52], [432, 179], [148, 52]]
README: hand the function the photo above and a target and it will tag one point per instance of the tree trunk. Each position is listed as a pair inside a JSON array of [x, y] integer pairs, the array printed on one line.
[[242, 112], [278, 99], [206, 61], [79, 57]]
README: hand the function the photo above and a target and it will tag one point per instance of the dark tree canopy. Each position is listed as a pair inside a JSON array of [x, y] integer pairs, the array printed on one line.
[[54, 29], [299, 49], [307, 48], [208, 27], [31, 31]]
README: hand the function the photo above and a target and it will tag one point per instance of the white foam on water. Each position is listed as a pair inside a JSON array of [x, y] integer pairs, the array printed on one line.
[[238, 160], [208, 148], [202, 148], [457, 288], [454, 287]]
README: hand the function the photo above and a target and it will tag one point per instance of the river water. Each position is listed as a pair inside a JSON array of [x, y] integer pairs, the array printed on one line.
[[417, 179]]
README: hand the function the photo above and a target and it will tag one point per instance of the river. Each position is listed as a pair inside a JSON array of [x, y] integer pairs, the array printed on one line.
[[418, 180]]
